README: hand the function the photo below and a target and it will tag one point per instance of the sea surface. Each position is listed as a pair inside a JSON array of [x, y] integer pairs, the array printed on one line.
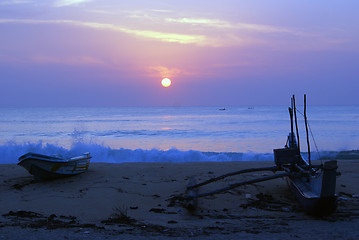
[[175, 134]]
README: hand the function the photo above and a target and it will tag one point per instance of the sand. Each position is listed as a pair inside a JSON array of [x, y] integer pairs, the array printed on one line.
[[144, 201]]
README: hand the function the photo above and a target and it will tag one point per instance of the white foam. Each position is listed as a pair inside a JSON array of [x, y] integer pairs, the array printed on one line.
[[10, 152]]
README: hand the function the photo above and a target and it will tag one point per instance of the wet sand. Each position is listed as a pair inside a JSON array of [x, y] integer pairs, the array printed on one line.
[[145, 201]]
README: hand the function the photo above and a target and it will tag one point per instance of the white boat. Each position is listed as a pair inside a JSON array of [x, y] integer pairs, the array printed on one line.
[[45, 167]]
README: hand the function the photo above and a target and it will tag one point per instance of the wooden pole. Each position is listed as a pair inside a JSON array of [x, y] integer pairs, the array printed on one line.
[[231, 186], [306, 126], [291, 123], [296, 123], [191, 196], [249, 170]]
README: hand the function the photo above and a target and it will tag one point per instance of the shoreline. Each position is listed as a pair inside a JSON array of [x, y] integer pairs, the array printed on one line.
[[139, 156], [143, 200]]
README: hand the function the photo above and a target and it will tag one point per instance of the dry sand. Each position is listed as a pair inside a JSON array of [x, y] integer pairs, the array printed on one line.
[[144, 201]]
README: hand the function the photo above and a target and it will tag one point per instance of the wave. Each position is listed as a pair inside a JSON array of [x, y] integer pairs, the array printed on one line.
[[10, 152]]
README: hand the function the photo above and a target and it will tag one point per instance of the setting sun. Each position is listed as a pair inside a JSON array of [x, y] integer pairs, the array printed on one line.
[[166, 82]]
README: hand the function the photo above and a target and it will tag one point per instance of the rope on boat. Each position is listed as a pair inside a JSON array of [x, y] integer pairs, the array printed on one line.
[[315, 143]]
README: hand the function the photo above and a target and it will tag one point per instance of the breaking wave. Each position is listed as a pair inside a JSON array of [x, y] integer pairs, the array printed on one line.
[[10, 152]]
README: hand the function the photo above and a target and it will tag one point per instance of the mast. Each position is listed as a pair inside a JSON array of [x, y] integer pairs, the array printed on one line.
[[291, 124], [296, 123], [306, 126]]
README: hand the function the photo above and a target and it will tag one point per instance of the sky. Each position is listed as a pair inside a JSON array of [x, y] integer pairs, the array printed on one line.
[[108, 53]]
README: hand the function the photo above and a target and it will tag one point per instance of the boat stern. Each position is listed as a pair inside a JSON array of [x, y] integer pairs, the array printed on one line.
[[329, 178]]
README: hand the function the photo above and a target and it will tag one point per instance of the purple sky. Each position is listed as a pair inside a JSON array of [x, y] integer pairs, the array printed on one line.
[[221, 52]]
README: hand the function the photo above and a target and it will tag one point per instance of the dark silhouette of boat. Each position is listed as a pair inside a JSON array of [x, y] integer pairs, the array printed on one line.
[[45, 167], [313, 185]]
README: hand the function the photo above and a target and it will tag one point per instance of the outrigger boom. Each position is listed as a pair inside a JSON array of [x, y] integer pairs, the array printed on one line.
[[192, 197], [313, 185]]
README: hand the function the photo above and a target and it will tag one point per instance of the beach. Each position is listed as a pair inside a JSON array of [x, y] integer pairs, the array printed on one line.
[[145, 201]]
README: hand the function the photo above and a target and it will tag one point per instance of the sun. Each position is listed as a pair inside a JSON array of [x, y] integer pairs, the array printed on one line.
[[166, 82]]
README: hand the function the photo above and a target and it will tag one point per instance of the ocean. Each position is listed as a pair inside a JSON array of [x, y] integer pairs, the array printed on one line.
[[175, 134]]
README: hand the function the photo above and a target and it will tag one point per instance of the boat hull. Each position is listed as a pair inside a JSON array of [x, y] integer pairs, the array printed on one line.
[[43, 167], [314, 205]]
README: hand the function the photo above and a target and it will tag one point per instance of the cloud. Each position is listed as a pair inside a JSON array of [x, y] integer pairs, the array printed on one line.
[[153, 35], [81, 60], [170, 37], [211, 33], [69, 60], [13, 2], [161, 10], [146, 34], [64, 3], [226, 33], [101, 12], [216, 23], [164, 71]]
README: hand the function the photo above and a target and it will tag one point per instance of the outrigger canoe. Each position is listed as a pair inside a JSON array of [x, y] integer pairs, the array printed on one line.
[[313, 185], [45, 167]]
